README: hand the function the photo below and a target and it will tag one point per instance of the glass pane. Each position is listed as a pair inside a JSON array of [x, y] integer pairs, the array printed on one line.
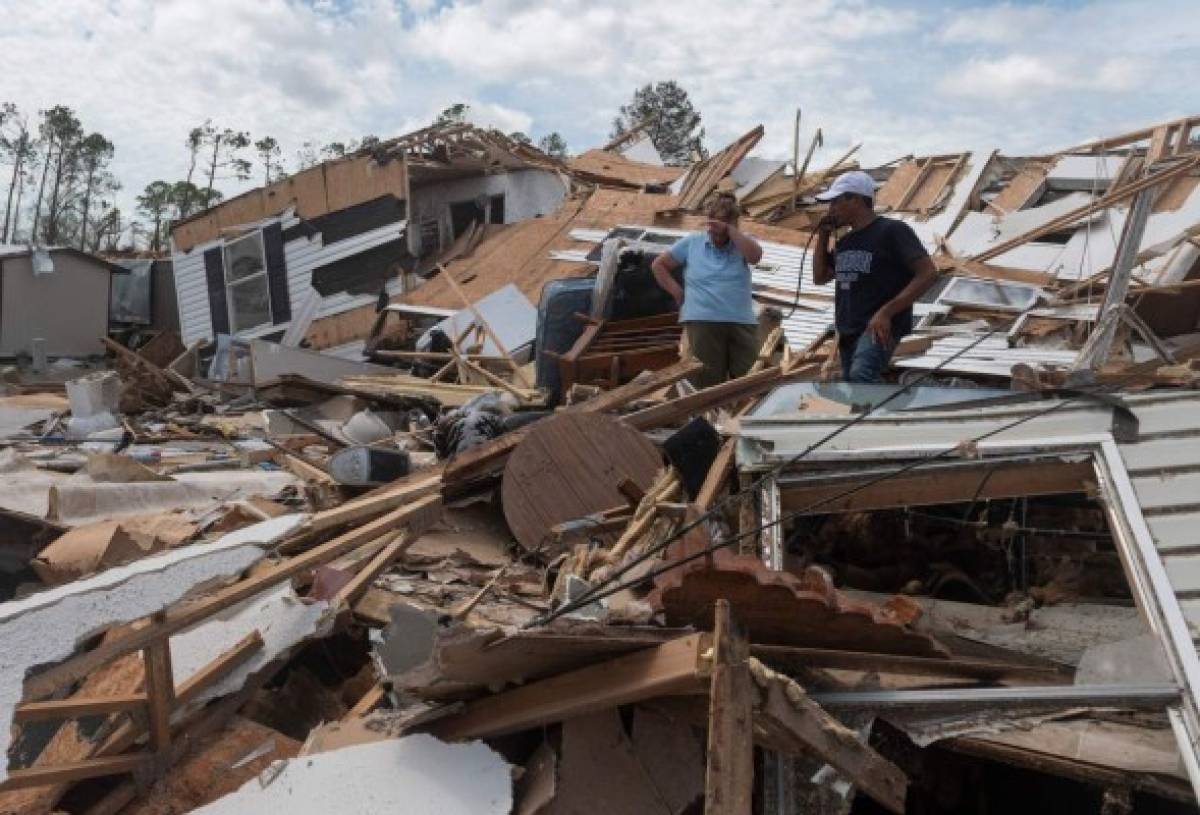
[[990, 294], [244, 257], [249, 304]]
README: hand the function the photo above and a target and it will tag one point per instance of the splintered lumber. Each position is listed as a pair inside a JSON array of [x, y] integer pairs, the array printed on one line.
[[409, 488], [101, 761], [794, 723], [489, 458], [729, 776], [76, 771], [677, 667], [1103, 202], [397, 543], [518, 374], [73, 707], [416, 515]]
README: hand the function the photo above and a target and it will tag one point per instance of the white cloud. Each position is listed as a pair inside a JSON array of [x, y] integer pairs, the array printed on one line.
[[898, 75], [1030, 77], [1001, 24]]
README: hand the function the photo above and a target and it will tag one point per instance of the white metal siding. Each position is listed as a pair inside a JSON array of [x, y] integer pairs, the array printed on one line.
[[301, 257]]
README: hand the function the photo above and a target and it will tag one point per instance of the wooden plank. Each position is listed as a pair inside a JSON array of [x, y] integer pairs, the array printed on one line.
[[518, 374], [160, 691], [726, 392], [1068, 219], [184, 616], [397, 543], [940, 485], [75, 771], [410, 488], [795, 723], [729, 775], [216, 670], [673, 668], [73, 707]]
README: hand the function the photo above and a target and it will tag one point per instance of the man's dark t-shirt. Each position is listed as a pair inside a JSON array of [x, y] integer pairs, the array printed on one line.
[[873, 265]]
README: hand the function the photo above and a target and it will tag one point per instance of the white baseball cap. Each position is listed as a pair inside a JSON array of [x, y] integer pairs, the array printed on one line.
[[855, 181]]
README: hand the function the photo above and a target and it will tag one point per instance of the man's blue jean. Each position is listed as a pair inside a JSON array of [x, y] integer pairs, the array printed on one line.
[[863, 357]]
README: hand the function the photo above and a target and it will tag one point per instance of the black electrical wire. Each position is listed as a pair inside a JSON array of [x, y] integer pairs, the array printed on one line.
[[588, 595], [600, 593]]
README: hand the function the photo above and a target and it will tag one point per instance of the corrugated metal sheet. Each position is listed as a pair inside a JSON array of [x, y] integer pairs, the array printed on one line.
[[302, 256]]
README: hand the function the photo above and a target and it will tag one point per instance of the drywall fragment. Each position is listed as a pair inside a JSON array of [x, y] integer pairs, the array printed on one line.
[[278, 614], [407, 642], [415, 775], [47, 627]]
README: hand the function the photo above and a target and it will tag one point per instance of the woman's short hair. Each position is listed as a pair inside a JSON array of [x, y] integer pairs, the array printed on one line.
[[723, 206]]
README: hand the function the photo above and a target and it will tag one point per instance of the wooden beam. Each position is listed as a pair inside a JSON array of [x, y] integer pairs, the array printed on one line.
[[729, 775], [160, 690], [75, 771], [397, 494], [938, 484], [518, 374], [733, 390], [395, 545], [674, 668], [1103, 202], [216, 670], [73, 707], [187, 615], [796, 724]]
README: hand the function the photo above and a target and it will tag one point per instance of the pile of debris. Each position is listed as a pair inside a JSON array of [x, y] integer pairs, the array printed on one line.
[[452, 551]]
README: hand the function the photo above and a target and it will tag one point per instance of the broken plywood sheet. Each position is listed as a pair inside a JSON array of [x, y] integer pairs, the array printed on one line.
[[47, 627], [1128, 747], [507, 312], [600, 772], [217, 765], [474, 534], [92, 547], [673, 757], [416, 774]]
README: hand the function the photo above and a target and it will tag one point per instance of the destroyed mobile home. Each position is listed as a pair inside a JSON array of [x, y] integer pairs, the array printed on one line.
[[420, 513]]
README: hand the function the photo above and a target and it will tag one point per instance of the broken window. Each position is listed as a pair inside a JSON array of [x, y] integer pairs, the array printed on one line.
[[993, 294], [246, 283]]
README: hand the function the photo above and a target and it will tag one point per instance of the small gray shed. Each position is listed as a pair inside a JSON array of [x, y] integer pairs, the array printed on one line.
[[59, 294]]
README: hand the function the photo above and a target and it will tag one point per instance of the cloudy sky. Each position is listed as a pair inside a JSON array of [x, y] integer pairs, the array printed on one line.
[[897, 75]]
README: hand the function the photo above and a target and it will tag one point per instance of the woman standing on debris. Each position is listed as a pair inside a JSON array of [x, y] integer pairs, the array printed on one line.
[[714, 301]]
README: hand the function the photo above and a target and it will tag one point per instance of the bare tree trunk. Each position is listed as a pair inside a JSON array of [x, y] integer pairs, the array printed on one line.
[[37, 210], [54, 211], [212, 168], [16, 221], [156, 241], [87, 204], [16, 173]]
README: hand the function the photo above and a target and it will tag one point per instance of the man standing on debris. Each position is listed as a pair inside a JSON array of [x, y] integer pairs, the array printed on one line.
[[881, 269], [714, 302]]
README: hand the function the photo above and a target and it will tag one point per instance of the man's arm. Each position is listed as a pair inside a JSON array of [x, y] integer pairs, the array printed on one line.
[[662, 267], [750, 248], [822, 273], [924, 274]]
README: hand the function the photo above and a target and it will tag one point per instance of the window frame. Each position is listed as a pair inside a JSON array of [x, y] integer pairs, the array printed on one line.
[[260, 278]]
